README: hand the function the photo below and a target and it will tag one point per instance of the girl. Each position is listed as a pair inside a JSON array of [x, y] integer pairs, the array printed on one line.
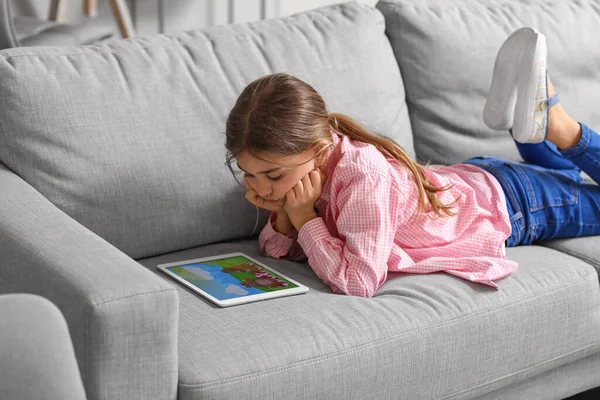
[[357, 206]]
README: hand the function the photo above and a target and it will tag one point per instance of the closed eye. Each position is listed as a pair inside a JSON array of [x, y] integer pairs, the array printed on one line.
[[272, 178]]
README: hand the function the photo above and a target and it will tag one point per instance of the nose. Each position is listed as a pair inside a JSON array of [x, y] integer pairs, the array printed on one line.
[[264, 190]]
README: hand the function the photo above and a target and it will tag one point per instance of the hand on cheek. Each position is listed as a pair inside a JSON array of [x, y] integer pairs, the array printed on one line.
[[300, 200], [253, 197]]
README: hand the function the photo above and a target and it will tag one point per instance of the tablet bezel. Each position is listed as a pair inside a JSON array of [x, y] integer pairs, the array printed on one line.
[[238, 300]]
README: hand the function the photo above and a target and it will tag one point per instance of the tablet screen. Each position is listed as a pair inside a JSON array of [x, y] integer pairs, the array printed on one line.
[[231, 277]]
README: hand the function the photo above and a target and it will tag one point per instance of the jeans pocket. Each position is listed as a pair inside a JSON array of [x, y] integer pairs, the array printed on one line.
[[546, 187]]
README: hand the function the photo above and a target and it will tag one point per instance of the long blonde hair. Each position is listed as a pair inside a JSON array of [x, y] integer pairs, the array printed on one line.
[[281, 115]]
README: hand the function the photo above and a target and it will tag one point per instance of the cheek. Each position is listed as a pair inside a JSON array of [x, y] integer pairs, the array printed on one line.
[[287, 183], [281, 188], [248, 183], [284, 186], [297, 176]]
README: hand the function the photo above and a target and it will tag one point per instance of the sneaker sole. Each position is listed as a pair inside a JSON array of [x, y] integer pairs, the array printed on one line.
[[527, 88], [500, 105]]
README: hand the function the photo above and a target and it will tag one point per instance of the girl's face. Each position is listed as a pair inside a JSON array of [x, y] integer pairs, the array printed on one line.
[[274, 178]]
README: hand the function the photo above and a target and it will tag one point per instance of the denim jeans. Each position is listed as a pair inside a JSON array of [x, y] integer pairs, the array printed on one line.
[[545, 196]]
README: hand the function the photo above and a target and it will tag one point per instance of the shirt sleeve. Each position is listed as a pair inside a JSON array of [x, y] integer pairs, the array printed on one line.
[[355, 263], [277, 245]]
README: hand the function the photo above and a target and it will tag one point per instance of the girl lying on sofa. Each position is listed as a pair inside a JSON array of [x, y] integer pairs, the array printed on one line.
[[357, 206]]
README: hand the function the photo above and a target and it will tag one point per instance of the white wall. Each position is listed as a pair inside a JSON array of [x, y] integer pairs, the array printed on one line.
[[180, 14]]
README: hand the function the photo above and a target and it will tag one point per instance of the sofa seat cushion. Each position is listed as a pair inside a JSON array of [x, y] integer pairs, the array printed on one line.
[[586, 249], [446, 52], [473, 339], [127, 137]]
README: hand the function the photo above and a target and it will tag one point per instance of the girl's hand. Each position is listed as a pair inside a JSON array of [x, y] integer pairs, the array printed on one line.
[[258, 201], [300, 200]]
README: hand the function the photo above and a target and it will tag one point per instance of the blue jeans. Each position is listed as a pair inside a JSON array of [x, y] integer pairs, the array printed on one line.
[[544, 195]]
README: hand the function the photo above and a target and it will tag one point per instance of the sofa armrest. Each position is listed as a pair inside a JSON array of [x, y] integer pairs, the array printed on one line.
[[40, 347], [123, 319]]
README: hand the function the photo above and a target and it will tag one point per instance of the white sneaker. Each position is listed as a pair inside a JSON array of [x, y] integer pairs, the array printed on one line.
[[518, 98]]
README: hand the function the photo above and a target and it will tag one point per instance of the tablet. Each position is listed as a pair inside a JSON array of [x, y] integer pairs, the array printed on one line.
[[232, 279]]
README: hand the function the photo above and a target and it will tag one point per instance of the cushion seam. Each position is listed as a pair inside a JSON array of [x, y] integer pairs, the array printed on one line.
[[520, 371], [383, 341], [143, 293], [575, 254]]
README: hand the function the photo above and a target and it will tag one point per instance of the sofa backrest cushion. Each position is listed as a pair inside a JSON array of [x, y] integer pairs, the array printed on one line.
[[127, 137], [446, 52]]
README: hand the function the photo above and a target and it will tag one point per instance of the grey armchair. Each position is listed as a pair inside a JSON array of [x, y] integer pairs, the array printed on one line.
[[37, 360], [17, 31]]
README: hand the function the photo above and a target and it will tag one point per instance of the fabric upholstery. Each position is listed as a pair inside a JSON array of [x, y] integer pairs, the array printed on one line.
[[586, 249], [127, 137], [36, 356], [446, 52], [123, 320], [115, 151], [319, 345], [571, 379]]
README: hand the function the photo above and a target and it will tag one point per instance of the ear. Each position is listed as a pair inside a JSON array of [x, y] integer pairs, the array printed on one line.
[[321, 155], [319, 161]]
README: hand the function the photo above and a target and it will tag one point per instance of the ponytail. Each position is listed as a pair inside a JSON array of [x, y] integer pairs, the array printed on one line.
[[427, 191]]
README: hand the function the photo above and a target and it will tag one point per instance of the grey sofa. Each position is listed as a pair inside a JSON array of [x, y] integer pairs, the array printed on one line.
[[112, 161], [37, 360]]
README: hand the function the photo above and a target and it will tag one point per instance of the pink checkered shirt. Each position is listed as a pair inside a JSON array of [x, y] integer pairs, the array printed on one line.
[[369, 224]]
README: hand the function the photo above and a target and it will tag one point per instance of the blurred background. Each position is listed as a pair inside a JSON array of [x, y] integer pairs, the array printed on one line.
[[177, 15]]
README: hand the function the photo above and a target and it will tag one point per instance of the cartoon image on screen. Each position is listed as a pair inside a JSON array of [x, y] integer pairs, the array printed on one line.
[[231, 277]]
